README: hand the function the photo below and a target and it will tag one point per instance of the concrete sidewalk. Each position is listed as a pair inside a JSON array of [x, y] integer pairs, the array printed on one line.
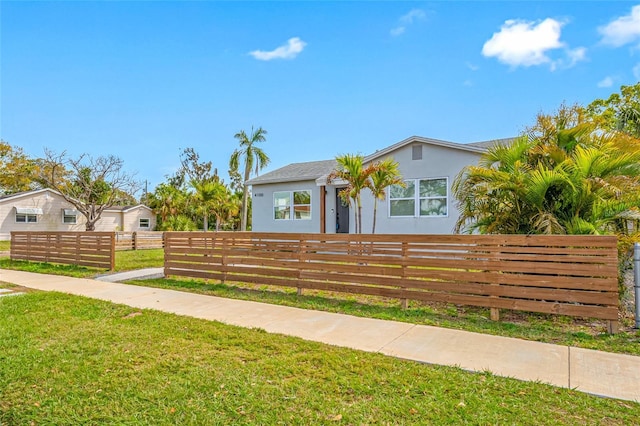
[[599, 373]]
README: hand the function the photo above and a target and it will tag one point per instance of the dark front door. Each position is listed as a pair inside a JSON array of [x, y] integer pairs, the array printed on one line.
[[342, 215]]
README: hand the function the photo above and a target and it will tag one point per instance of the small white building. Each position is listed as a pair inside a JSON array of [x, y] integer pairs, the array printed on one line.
[[46, 210]]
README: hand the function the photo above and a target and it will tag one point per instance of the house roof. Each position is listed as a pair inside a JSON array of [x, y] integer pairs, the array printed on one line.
[[311, 170], [429, 141], [489, 144], [318, 170]]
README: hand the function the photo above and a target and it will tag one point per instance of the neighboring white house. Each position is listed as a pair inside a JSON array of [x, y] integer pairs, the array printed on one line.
[[47, 210], [297, 198]]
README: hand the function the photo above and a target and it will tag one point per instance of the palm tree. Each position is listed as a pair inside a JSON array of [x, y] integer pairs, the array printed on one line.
[[575, 180], [208, 193], [251, 155], [351, 170], [385, 174]]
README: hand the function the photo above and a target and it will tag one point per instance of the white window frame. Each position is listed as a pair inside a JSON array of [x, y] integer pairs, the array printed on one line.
[[26, 218], [291, 206], [417, 199], [27, 214], [140, 225], [67, 213]]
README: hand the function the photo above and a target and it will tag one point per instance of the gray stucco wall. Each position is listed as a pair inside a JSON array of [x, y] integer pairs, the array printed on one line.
[[262, 208], [437, 162]]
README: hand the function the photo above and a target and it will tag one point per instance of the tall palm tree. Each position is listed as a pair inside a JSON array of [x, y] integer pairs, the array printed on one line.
[[385, 174], [254, 158], [351, 169]]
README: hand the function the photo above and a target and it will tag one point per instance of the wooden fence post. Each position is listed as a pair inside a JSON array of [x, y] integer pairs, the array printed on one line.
[[301, 251], [112, 256], [404, 302]]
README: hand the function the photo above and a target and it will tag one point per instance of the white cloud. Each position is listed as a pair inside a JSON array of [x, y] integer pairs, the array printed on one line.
[[573, 57], [472, 67], [288, 51], [636, 71], [623, 30], [606, 82], [523, 43], [408, 19]]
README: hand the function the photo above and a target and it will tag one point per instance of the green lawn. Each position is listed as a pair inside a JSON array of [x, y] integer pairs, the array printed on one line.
[[5, 245], [72, 360], [126, 260], [589, 334]]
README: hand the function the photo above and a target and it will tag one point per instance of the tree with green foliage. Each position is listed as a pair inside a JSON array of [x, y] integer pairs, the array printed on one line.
[[351, 169], [385, 174], [170, 203], [565, 176], [90, 184], [620, 111], [16, 169], [254, 159]]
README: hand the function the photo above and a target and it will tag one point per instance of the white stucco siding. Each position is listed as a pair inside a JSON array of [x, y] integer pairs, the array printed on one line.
[[437, 162], [52, 206], [131, 219], [263, 219]]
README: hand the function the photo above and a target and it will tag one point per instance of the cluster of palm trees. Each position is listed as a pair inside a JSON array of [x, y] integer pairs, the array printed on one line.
[[188, 199], [376, 177], [566, 175]]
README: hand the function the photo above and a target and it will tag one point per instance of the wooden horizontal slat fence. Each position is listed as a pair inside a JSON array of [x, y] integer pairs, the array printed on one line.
[[94, 249], [567, 275], [139, 240]]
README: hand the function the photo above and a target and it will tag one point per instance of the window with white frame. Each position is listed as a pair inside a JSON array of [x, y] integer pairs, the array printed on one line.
[[69, 217], [144, 222], [294, 205], [419, 198], [27, 215]]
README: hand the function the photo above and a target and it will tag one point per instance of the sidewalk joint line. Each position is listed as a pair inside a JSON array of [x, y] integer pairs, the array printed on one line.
[[397, 337]]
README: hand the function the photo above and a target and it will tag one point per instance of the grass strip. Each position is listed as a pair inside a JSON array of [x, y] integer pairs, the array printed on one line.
[[71, 360], [563, 330]]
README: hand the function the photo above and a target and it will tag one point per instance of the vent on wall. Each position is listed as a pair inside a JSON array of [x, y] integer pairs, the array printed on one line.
[[416, 152]]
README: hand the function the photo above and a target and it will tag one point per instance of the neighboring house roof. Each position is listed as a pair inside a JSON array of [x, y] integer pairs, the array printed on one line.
[[18, 195], [311, 170], [128, 208]]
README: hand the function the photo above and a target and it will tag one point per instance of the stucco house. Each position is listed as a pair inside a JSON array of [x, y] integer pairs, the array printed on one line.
[[297, 198], [46, 210]]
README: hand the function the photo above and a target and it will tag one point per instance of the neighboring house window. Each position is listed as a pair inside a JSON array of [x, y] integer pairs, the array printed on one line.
[[420, 198], [69, 217], [27, 215], [144, 223], [292, 205]]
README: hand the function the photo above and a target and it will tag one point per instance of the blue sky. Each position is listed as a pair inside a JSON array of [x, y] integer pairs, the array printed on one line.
[[144, 79]]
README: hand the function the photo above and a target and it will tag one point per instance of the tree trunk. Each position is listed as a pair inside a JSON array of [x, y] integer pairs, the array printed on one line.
[[375, 211], [206, 222], [245, 199]]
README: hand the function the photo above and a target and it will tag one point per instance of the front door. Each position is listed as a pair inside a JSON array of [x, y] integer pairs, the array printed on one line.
[[342, 214]]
